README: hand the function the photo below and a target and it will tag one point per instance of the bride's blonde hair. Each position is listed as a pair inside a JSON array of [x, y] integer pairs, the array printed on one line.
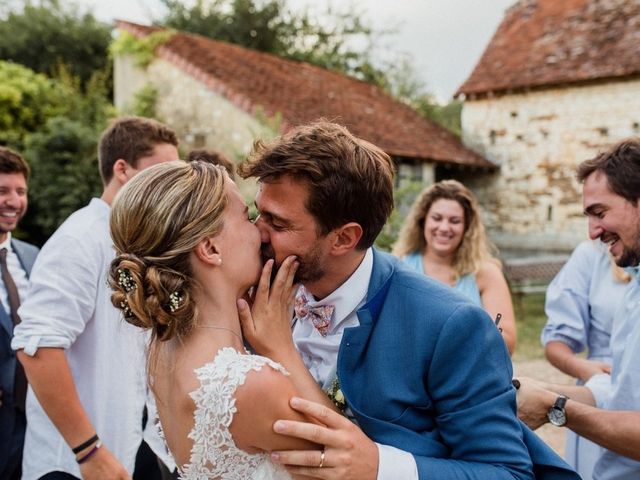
[[157, 219]]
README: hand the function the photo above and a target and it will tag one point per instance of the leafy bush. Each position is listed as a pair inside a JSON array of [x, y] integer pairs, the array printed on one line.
[[142, 49], [403, 199], [44, 35], [63, 159], [27, 99], [55, 124]]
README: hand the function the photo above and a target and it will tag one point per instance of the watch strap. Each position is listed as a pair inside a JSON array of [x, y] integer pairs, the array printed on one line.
[[560, 402]]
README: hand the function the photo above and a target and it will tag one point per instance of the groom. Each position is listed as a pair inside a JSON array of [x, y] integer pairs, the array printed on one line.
[[425, 374]]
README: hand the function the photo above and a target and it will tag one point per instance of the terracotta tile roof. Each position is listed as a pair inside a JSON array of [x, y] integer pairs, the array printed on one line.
[[301, 92], [557, 42]]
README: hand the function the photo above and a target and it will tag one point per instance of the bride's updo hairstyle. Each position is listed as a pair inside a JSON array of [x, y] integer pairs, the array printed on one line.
[[157, 219]]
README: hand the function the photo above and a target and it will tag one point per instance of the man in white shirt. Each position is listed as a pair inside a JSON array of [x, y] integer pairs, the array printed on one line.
[[84, 364], [606, 410], [17, 257]]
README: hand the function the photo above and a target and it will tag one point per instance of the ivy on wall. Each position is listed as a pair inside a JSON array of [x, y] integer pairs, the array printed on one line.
[[142, 49], [144, 102]]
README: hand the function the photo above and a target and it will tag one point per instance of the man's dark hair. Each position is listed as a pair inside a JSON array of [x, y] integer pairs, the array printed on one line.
[[349, 179], [621, 165], [12, 162], [129, 139], [214, 157]]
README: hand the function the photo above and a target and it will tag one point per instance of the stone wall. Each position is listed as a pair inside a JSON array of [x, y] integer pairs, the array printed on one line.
[[538, 138], [128, 79], [200, 117]]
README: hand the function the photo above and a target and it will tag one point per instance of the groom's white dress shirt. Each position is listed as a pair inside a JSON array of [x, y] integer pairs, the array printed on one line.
[[320, 355]]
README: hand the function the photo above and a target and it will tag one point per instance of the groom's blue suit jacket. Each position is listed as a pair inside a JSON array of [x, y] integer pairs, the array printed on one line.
[[429, 373]]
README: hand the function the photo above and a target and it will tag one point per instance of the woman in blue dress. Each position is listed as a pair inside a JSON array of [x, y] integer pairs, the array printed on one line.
[[444, 238], [580, 305]]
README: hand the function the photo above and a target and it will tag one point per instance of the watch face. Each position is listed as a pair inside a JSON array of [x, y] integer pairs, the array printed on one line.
[[557, 417]]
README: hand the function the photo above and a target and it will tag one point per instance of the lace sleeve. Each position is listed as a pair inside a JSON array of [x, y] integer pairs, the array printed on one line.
[[214, 453]]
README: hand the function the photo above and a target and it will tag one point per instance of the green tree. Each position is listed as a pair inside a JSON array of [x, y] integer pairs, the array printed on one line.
[[63, 160], [144, 102], [403, 199], [55, 123], [270, 26], [27, 100], [402, 83], [41, 35], [447, 115], [89, 104]]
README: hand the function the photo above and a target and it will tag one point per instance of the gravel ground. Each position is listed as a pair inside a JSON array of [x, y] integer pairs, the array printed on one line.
[[542, 370]]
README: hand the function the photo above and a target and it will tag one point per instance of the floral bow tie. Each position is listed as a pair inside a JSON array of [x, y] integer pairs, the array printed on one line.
[[320, 316]]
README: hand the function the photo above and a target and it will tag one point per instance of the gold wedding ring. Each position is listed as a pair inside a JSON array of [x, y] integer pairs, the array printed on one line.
[[321, 459]]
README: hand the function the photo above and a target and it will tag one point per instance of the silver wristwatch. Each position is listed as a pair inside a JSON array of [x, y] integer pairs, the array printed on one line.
[[557, 415]]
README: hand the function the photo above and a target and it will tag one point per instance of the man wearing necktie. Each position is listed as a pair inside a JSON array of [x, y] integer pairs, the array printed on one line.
[[16, 260]]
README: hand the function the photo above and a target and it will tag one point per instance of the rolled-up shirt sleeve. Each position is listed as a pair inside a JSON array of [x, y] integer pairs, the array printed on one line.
[[62, 296], [567, 301]]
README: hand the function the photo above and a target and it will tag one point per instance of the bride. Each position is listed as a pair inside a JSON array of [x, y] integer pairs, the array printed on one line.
[[185, 251]]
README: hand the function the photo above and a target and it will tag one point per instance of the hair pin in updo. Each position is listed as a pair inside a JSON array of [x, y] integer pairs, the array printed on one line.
[[125, 280], [126, 311], [174, 301]]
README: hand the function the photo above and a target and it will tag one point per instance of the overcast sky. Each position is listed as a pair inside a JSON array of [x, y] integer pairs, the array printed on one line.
[[445, 38]]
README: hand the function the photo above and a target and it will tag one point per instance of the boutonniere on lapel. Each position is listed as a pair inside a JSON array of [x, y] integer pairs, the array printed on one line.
[[336, 396]]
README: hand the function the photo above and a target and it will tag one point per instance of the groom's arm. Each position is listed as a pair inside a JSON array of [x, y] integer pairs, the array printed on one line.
[[469, 381], [348, 452]]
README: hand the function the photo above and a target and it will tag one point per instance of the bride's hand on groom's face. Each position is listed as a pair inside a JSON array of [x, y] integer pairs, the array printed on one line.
[[266, 325]]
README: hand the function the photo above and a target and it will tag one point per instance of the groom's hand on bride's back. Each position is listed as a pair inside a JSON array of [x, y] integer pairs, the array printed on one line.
[[348, 453]]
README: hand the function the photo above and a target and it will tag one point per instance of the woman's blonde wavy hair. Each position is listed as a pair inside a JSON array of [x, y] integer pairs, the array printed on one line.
[[474, 248]]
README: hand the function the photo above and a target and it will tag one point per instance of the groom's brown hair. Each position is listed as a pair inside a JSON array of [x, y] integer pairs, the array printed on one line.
[[349, 179]]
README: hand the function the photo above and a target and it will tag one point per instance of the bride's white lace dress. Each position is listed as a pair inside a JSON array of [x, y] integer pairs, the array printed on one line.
[[214, 454]]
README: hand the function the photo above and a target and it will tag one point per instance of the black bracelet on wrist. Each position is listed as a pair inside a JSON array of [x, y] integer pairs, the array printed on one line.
[[86, 444], [90, 454]]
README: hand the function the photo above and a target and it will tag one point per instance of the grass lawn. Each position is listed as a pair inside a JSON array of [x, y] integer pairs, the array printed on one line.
[[530, 319]]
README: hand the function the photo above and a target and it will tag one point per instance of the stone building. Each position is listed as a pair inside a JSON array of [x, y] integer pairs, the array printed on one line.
[[222, 96], [559, 82]]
